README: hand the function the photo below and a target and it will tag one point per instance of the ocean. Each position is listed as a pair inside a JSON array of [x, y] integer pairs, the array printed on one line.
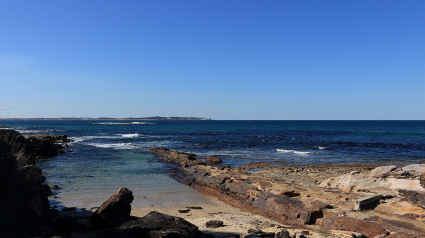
[[109, 154]]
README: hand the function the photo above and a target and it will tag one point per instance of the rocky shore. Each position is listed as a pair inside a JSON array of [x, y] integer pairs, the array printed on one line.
[[314, 201], [25, 210], [323, 201]]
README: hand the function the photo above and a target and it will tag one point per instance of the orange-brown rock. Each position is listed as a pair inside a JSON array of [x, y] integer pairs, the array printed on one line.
[[355, 225], [212, 160], [290, 195], [398, 227]]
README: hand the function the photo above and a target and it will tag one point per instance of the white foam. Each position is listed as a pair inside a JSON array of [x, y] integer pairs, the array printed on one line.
[[141, 123], [117, 146], [303, 152], [321, 147], [32, 131], [83, 138], [164, 143], [130, 135], [124, 123], [294, 152]]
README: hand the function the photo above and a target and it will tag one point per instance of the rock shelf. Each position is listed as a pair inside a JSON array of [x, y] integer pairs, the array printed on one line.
[[371, 201]]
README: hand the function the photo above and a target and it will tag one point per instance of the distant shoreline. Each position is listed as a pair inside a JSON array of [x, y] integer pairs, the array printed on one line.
[[119, 119]]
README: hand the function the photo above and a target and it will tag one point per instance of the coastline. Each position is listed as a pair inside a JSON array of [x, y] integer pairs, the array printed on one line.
[[315, 201], [118, 119]]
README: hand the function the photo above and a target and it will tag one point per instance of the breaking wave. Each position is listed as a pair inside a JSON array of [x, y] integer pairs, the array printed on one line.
[[294, 152], [124, 123]]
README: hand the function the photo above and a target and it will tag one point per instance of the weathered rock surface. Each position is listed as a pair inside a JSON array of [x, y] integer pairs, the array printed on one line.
[[397, 227], [387, 178], [351, 224], [291, 196], [115, 211]]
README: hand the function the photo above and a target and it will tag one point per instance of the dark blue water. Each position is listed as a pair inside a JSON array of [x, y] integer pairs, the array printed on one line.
[[240, 142]]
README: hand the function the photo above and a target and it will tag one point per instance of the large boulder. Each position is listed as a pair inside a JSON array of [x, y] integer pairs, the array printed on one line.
[[382, 171], [414, 169], [156, 225], [115, 211], [289, 210]]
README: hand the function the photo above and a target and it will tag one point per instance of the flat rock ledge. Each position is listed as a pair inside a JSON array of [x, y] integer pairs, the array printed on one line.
[[328, 201]]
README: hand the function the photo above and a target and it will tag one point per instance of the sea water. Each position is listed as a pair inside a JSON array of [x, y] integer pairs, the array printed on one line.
[[108, 154]]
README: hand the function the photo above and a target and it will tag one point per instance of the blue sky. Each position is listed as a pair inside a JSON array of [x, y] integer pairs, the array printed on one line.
[[220, 59]]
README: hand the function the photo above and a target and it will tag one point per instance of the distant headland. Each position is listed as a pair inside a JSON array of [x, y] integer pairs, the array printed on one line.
[[156, 118]]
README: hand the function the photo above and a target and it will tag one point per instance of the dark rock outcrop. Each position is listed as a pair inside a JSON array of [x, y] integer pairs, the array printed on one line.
[[156, 224], [413, 197], [39, 146], [46, 145], [115, 211], [24, 207], [177, 157]]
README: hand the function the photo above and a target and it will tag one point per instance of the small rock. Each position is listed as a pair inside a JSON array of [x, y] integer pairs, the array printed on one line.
[[55, 187], [254, 231], [212, 160], [232, 236], [214, 224], [252, 236], [282, 234], [184, 211], [226, 166], [194, 207], [267, 234], [422, 180], [67, 209], [65, 226]]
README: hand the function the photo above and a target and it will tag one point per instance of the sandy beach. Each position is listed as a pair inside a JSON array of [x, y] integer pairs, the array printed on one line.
[[196, 208]]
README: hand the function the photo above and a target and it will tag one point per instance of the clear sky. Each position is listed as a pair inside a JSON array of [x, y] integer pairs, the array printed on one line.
[[229, 59]]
